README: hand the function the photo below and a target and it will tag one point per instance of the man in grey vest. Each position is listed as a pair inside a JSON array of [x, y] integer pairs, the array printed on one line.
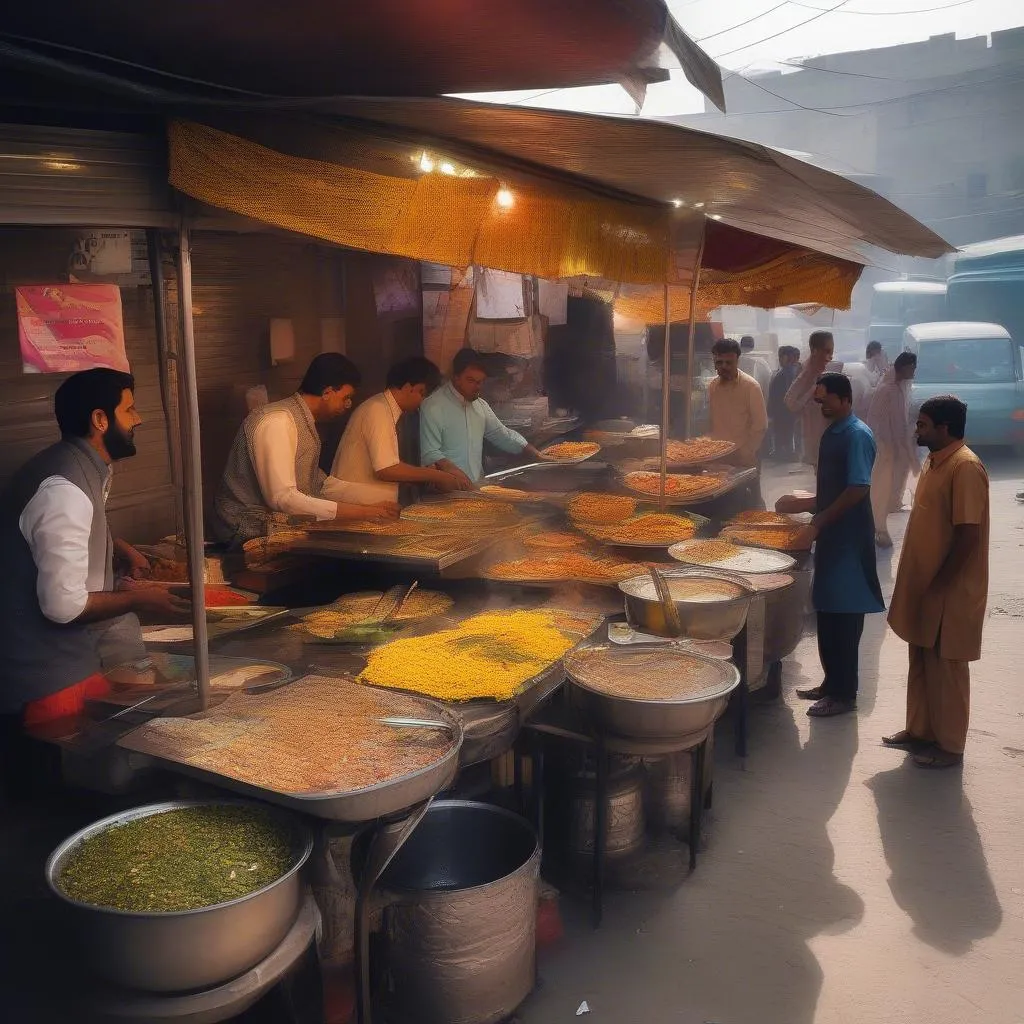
[[274, 462], [57, 595]]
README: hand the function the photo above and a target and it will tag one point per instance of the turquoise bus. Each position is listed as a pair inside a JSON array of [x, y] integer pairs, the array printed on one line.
[[987, 284]]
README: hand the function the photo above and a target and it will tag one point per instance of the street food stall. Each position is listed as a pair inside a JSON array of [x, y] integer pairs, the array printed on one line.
[[356, 714]]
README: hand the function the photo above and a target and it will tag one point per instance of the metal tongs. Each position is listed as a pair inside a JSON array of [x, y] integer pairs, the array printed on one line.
[[667, 605], [416, 723]]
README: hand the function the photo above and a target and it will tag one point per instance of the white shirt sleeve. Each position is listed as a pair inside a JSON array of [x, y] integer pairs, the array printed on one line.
[[56, 524], [274, 442]]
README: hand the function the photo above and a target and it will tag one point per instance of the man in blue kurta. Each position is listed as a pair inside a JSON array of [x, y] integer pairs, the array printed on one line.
[[846, 584]]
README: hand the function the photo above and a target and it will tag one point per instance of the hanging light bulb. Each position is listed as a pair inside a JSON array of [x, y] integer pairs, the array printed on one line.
[[426, 164], [505, 198], [447, 168], [677, 203]]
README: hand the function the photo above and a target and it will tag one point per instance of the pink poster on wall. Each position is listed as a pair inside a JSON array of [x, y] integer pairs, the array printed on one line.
[[68, 327]]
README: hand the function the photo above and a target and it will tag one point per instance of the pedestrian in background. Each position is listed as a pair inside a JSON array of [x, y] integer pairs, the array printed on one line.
[[782, 421], [846, 584], [938, 605], [889, 420], [755, 366], [799, 399]]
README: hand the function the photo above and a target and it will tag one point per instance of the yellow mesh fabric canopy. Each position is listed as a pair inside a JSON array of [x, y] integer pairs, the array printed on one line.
[[523, 223]]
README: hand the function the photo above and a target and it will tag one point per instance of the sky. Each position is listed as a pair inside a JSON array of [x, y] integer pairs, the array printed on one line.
[[746, 36]]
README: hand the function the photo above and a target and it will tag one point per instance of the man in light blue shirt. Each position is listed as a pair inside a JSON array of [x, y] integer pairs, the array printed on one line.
[[455, 421]]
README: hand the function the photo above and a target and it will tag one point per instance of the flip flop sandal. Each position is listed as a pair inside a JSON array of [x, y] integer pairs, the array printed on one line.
[[904, 740], [938, 758]]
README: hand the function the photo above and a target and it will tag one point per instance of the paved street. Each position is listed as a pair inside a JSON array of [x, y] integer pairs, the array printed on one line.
[[840, 883]]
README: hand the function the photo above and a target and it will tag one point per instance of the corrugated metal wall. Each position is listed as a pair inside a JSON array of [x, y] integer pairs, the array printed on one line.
[[142, 500], [70, 176]]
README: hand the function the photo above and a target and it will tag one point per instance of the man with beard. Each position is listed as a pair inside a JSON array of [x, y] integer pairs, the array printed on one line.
[[846, 584], [58, 602]]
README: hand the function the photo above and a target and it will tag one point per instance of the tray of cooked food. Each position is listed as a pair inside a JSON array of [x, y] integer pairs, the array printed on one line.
[[777, 538], [329, 747], [565, 567], [680, 488], [570, 451], [220, 621], [720, 553], [698, 451], [511, 494], [361, 617], [646, 530], [760, 517], [554, 540], [371, 527], [460, 510], [494, 655], [598, 507]]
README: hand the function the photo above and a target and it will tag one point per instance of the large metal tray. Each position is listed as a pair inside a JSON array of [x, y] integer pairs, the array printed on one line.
[[366, 804], [750, 560], [219, 622], [733, 479]]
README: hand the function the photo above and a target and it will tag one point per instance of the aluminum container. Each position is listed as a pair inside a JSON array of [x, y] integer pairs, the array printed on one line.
[[623, 817], [680, 724], [701, 620], [186, 950], [459, 920]]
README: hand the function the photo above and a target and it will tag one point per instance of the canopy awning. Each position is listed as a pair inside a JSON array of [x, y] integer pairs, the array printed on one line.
[[261, 48], [556, 196]]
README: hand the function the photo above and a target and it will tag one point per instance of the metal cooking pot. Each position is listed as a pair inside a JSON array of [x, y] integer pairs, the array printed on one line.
[[185, 950], [684, 723], [701, 620], [459, 921]]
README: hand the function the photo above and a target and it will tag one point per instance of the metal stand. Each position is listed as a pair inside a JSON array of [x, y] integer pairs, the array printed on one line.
[[604, 745]]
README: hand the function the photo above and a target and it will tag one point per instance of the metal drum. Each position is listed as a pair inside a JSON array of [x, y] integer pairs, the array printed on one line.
[[459, 918], [623, 819], [183, 950], [667, 786]]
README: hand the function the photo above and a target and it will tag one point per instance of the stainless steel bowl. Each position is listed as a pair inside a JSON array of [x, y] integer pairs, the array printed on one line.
[[186, 950], [701, 620], [683, 723]]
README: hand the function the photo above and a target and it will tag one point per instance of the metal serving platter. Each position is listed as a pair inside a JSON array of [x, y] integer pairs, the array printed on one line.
[[585, 527], [749, 560], [358, 805], [219, 622], [572, 460]]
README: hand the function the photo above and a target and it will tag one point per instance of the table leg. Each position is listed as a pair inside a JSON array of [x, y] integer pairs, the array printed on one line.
[[538, 786], [600, 827], [742, 693], [697, 757]]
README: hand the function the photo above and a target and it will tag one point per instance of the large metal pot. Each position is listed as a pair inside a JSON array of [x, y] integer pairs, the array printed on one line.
[[785, 616], [700, 619], [459, 923], [186, 950], [623, 817], [684, 722]]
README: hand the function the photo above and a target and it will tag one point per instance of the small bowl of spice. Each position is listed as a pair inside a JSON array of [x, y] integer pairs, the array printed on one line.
[[184, 895]]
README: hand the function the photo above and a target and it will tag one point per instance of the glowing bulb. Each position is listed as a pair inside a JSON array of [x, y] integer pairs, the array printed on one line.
[[447, 168], [426, 164], [677, 203], [698, 206], [505, 198]]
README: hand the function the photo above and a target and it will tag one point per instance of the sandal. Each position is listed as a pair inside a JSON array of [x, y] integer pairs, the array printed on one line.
[[904, 740], [938, 758], [828, 707], [810, 693]]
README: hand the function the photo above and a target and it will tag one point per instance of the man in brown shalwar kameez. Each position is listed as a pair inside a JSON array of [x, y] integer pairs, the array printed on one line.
[[938, 605]]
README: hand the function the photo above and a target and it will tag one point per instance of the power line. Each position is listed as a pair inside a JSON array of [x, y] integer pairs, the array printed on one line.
[[807, 21], [743, 24], [890, 14]]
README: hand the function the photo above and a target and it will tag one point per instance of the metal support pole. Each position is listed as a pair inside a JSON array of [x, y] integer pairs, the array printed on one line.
[[167, 355], [666, 395], [691, 339], [192, 469]]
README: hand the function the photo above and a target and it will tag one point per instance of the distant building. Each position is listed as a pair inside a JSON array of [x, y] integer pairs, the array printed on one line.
[[934, 126]]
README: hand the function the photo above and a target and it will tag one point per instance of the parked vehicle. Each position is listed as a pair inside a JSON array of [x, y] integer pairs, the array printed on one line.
[[895, 305], [980, 364], [987, 284]]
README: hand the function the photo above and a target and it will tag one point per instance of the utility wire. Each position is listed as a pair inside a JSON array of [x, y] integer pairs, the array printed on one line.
[[890, 14], [743, 24], [785, 31]]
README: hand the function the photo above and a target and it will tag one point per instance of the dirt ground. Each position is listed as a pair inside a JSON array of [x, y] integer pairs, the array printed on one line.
[[840, 884]]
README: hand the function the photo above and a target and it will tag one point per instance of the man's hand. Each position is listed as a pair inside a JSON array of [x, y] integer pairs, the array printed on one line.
[[157, 600], [532, 452], [793, 504], [803, 540], [383, 510], [446, 482], [131, 562]]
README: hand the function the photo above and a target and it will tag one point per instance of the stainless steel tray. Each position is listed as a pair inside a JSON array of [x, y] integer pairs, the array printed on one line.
[[732, 481], [750, 560]]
